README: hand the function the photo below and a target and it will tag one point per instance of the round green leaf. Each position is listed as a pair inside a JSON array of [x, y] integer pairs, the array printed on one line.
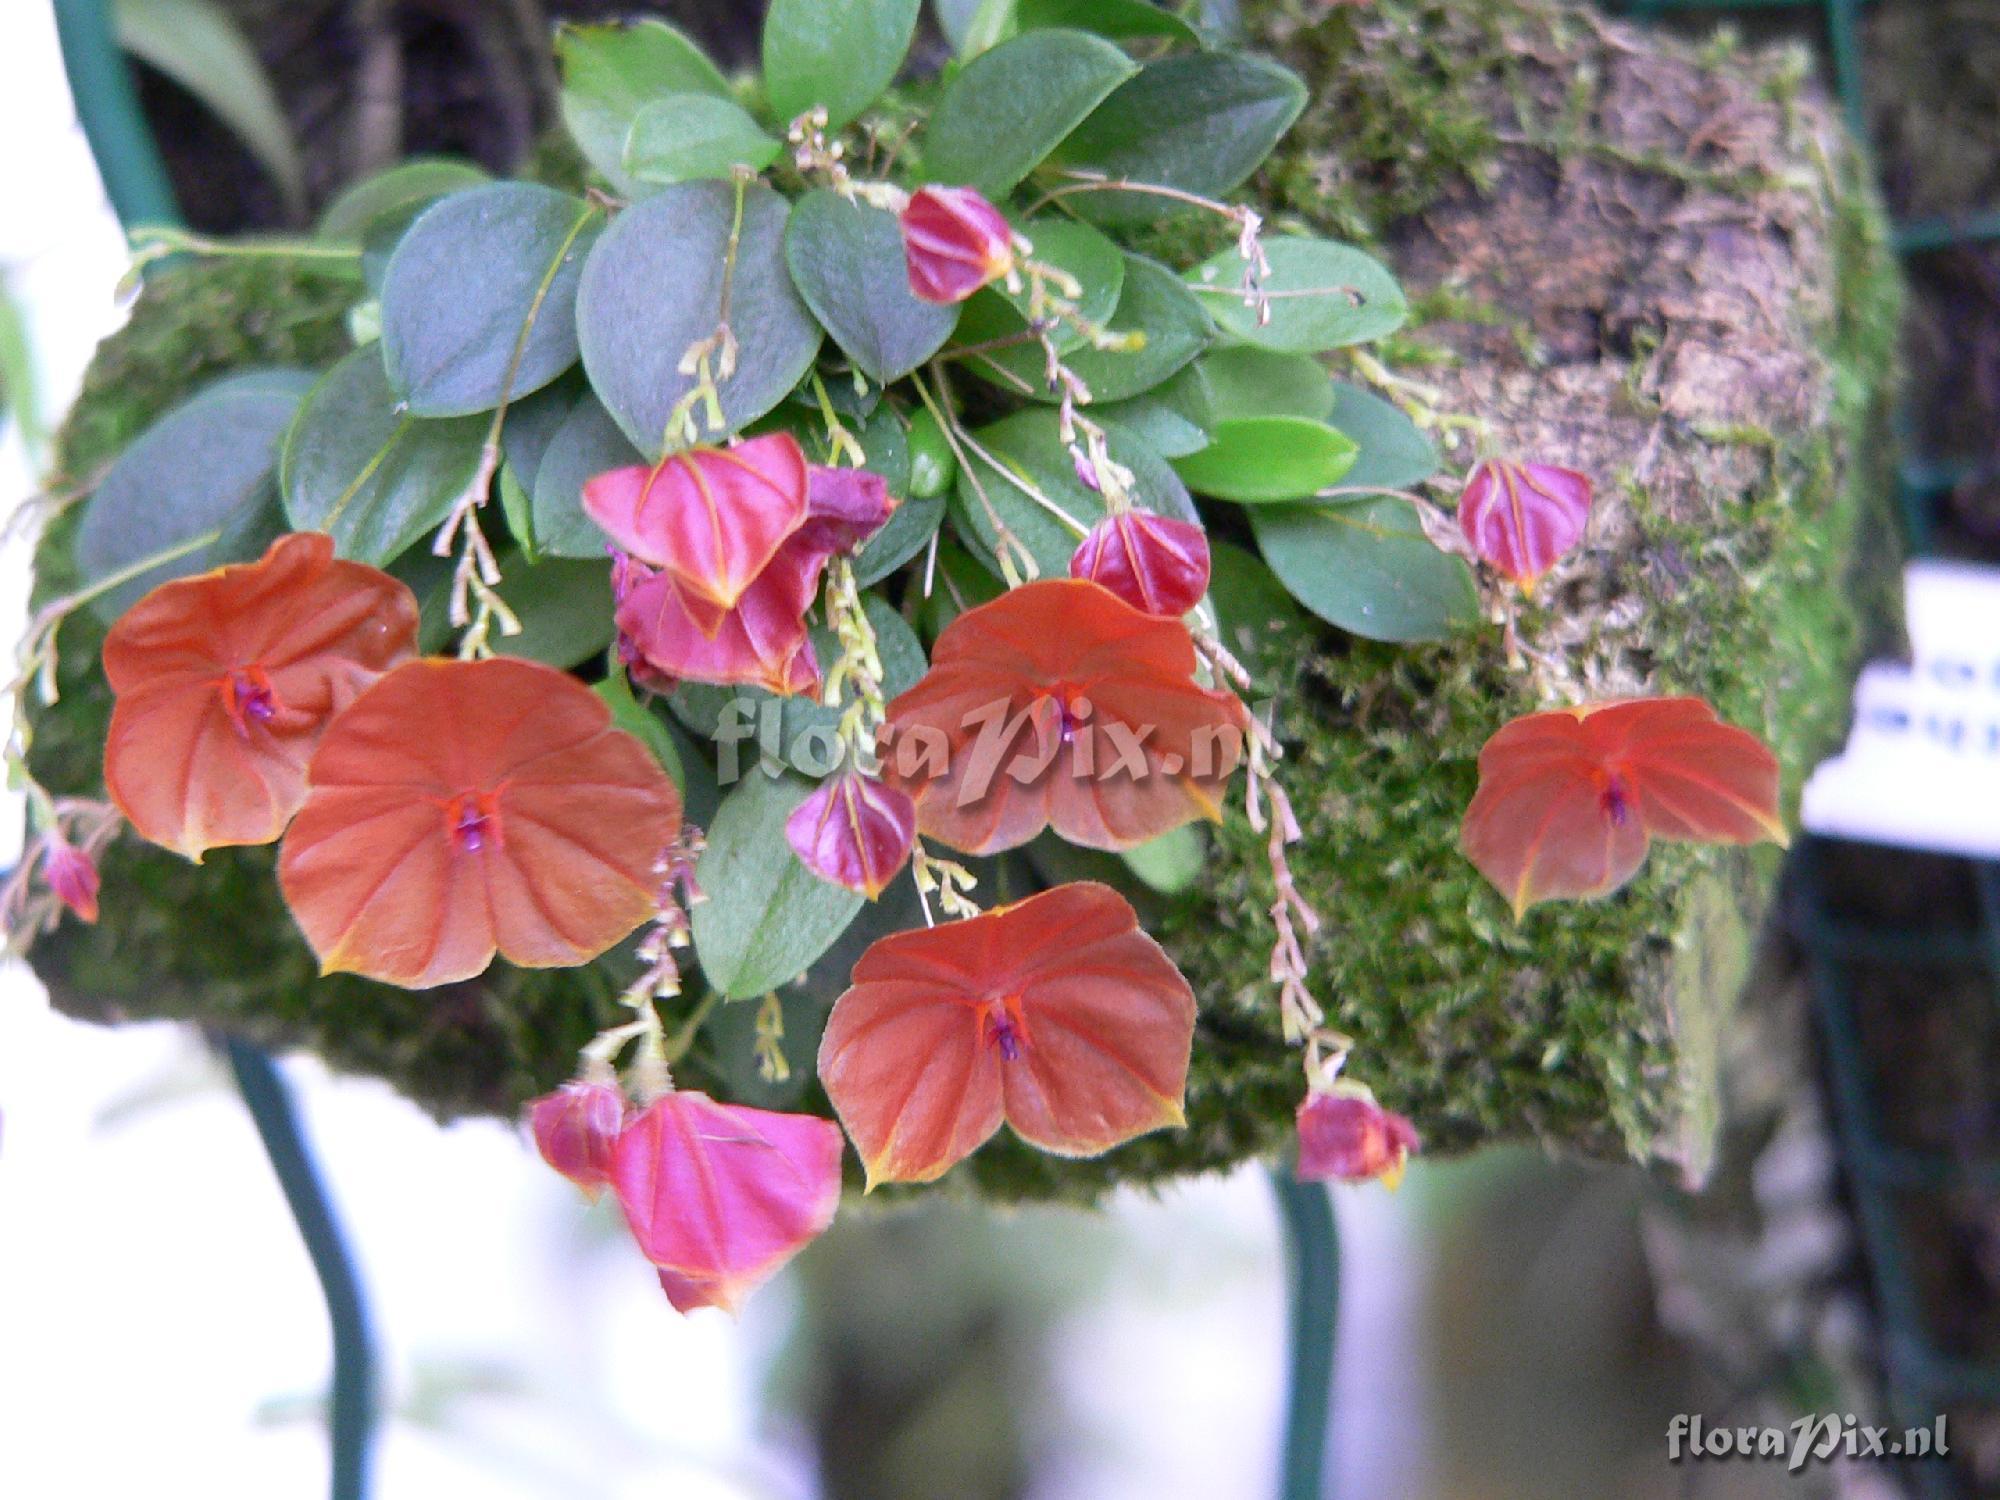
[[846, 260], [1394, 454], [401, 191], [564, 609], [1254, 460], [1123, 19], [1028, 447], [1174, 418], [653, 288], [1255, 617], [479, 303], [768, 916], [1244, 381], [686, 137], [839, 53], [532, 424], [587, 444], [1200, 122], [994, 313], [1172, 862], [210, 464], [610, 73], [1010, 107], [1152, 302], [358, 465], [1367, 567], [902, 537], [1322, 296]]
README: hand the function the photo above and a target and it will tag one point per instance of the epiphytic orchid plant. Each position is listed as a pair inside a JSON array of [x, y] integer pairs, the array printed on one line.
[[859, 405]]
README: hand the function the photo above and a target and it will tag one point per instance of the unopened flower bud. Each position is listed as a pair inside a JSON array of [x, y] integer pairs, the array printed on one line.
[[954, 243]]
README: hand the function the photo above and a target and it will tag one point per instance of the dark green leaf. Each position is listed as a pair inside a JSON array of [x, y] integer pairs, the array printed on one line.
[[534, 421], [587, 444], [1174, 418], [1028, 447], [639, 721], [1366, 566], [1259, 459], [995, 313], [1244, 381], [1010, 107], [479, 303], [399, 193], [564, 609], [518, 506], [767, 917], [210, 464], [686, 137], [1152, 302], [653, 288], [359, 466], [1394, 454], [902, 537], [611, 72], [846, 259], [1199, 122], [1323, 296], [1256, 618], [839, 53], [1124, 19]]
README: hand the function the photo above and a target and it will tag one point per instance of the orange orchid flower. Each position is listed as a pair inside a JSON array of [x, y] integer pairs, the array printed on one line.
[[463, 808], [226, 681], [1056, 1014], [1060, 705], [1570, 800]]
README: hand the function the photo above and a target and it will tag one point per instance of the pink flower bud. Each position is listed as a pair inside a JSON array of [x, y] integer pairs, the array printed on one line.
[[1347, 1137], [1153, 563], [854, 831], [719, 1196], [72, 875], [575, 1128], [954, 242], [1521, 517]]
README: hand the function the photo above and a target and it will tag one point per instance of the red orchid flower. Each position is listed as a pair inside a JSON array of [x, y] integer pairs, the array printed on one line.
[[1521, 517], [1060, 705], [721, 552], [1569, 801], [854, 832], [575, 1129], [719, 1196], [1056, 1014], [460, 808], [954, 243], [1154, 563], [1345, 1136], [225, 682]]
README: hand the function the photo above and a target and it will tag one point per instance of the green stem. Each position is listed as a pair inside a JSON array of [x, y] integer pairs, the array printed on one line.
[[1312, 1266]]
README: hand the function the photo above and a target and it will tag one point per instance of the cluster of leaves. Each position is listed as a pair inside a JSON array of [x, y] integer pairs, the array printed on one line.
[[902, 340]]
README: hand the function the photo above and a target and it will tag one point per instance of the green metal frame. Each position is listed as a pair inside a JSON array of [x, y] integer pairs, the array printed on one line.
[[1921, 1378]]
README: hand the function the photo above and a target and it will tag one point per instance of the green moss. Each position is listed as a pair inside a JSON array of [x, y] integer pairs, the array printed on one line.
[[1590, 1027]]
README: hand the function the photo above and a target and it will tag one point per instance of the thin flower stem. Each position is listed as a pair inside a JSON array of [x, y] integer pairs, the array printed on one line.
[[1016, 561]]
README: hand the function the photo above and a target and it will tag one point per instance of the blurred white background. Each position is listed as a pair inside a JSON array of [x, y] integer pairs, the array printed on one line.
[[161, 1333]]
